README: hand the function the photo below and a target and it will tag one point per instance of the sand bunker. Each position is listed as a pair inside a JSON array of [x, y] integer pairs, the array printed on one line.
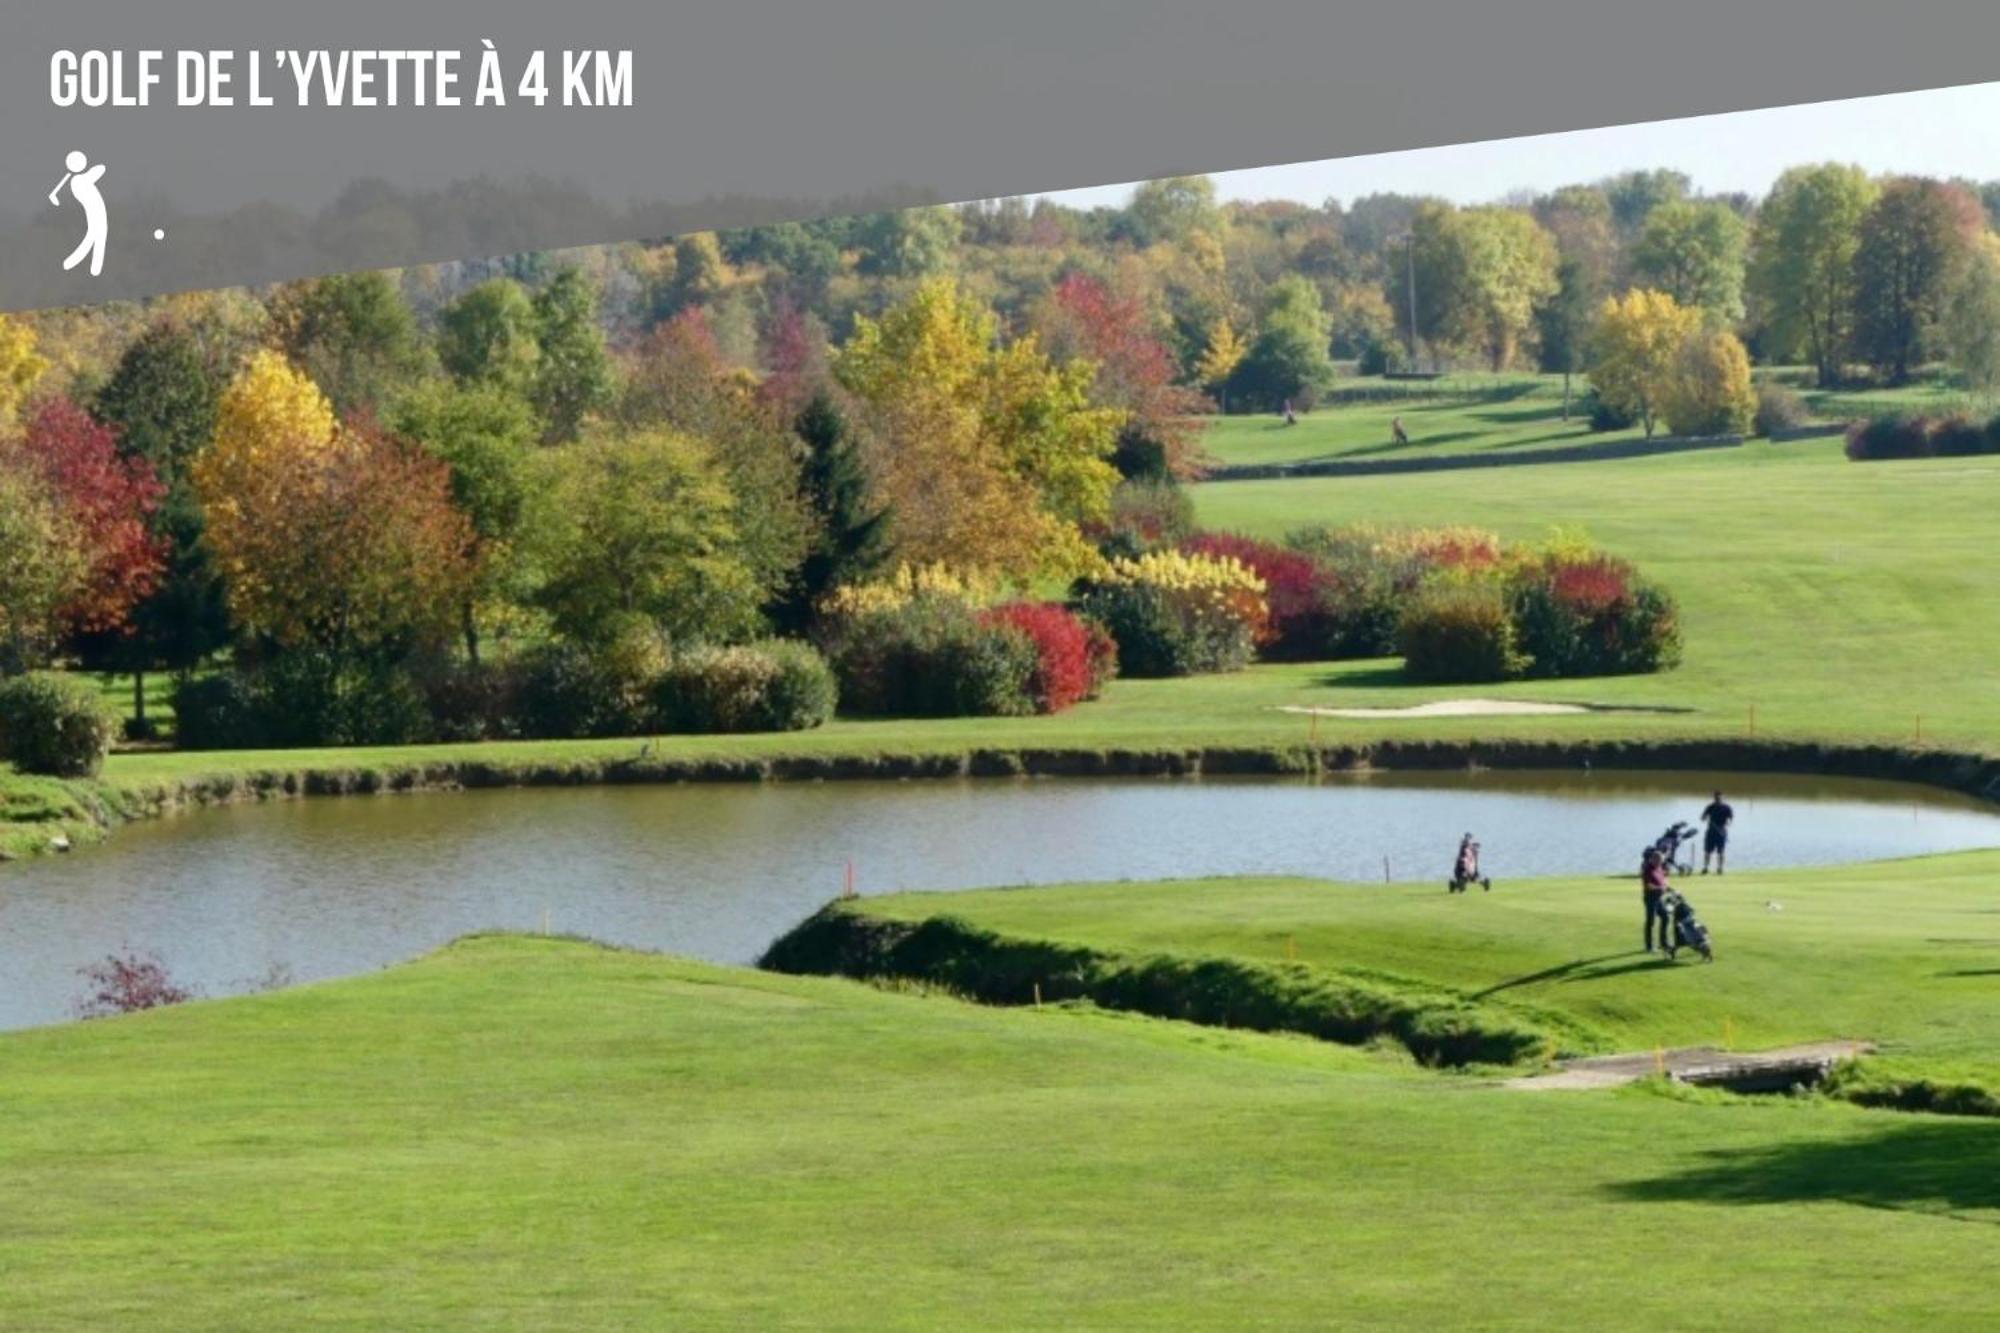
[[1453, 708]]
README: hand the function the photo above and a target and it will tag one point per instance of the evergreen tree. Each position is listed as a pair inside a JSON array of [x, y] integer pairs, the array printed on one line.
[[852, 540]]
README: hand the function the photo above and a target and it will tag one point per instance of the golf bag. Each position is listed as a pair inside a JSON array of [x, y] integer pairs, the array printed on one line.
[[1687, 931], [1669, 845]]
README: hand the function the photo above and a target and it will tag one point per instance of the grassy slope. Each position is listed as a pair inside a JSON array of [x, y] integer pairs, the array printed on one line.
[[534, 1133], [1905, 953], [1523, 412], [1841, 599]]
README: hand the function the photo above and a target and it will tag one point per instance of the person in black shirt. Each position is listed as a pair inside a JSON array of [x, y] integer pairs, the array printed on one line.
[[1715, 846]]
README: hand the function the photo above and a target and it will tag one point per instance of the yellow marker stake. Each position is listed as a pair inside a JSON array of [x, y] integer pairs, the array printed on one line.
[[1660, 1061], [1728, 1034], [1038, 995]]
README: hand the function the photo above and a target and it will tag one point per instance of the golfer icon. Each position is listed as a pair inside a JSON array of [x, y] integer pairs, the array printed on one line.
[[82, 181]]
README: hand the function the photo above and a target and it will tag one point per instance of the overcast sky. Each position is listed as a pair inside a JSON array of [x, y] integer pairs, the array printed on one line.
[[1943, 132]]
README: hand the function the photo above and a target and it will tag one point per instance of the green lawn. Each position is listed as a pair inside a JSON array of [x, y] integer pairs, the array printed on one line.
[[536, 1134], [1471, 414], [1841, 600], [1902, 953]]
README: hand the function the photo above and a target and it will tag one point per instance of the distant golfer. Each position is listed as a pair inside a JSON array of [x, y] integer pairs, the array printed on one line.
[[1396, 430], [82, 181], [1715, 844], [1291, 417]]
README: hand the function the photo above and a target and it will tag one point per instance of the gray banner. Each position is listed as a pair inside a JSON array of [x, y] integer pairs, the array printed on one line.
[[756, 110]]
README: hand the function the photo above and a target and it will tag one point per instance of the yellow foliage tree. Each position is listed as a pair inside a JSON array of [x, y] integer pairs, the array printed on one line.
[[20, 366], [1636, 350], [272, 424], [1222, 355], [989, 457], [1710, 393]]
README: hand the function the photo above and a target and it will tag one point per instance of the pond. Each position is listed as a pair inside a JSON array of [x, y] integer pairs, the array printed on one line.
[[322, 888]]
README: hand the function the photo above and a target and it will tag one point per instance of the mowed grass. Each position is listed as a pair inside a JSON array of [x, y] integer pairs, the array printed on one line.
[[1840, 600], [1473, 414], [536, 1133], [1902, 953]]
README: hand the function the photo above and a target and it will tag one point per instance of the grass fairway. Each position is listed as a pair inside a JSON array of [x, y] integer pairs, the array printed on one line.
[[1902, 953], [533, 1133], [1481, 413], [1842, 600]]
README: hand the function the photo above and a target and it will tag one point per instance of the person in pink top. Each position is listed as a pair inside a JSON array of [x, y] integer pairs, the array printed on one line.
[[1653, 888]]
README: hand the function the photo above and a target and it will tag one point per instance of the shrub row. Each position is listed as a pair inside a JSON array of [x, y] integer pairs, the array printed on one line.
[[1566, 613], [1909, 435], [937, 655], [1180, 613], [561, 690], [54, 724]]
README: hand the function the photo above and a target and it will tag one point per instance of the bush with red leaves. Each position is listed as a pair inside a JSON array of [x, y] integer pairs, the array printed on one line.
[[1063, 673], [1301, 591], [125, 983]]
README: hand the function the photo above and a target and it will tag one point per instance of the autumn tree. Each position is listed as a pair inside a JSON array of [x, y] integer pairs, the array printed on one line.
[[108, 499], [1134, 374], [1709, 392], [1913, 245], [340, 543], [353, 333], [41, 564], [1220, 355], [20, 366], [1802, 262], [677, 378], [989, 456], [488, 335], [1693, 250], [572, 374], [1635, 352]]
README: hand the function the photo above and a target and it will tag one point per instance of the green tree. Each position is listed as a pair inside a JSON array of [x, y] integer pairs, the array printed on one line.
[[353, 333], [1802, 266], [1914, 243], [1694, 252], [485, 435], [911, 243], [162, 396], [1480, 274], [1972, 319], [1579, 220], [488, 335], [572, 376], [1170, 211], [851, 532], [1287, 360], [638, 533], [1634, 195]]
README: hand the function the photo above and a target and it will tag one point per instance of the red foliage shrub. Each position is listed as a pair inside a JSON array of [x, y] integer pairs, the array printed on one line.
[[126, 983], [1592, 586], [1300, 591], [1063, 672]]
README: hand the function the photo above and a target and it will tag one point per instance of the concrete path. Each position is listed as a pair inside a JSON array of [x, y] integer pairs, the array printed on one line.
[[1743, 1070]]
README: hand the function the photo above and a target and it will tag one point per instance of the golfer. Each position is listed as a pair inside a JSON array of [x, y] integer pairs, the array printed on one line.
[[1715, 843], [1653, 888]]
